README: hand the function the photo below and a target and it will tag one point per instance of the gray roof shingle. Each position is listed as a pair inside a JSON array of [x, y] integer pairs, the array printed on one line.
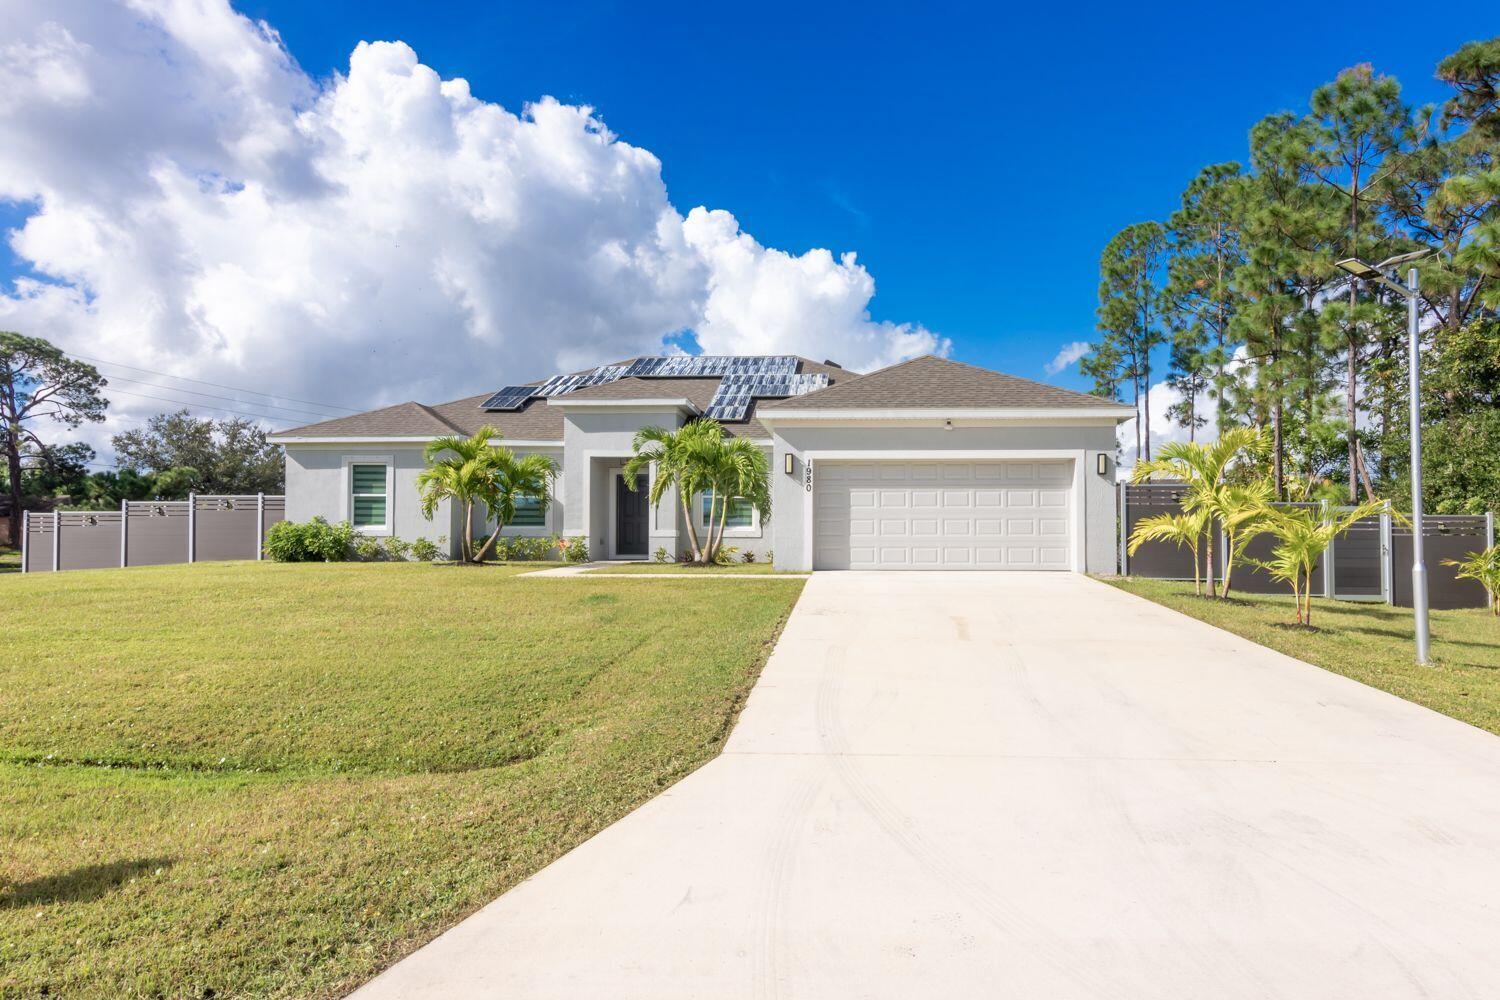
[[931, 382]]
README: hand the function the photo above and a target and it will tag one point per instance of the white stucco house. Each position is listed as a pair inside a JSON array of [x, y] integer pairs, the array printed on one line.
[[927, 464]]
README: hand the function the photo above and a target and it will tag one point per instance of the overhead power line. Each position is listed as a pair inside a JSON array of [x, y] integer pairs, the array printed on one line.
[[188, 404], [216, 385], [210, 395]]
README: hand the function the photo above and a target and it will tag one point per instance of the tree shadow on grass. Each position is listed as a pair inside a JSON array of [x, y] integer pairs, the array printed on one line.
[[81, 885]]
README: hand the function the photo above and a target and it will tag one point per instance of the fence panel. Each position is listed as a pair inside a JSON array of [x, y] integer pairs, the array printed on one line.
[[1158, 560], [275, 510], [88, 539], [1444, 536], [1358, 567], [156, 532], [224, 528], [36, 543]]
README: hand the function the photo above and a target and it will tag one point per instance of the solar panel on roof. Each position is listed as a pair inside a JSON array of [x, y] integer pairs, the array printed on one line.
[[732, 399], [512, 397]]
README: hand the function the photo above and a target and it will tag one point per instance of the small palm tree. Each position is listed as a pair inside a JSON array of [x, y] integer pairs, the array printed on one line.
[[1240, 511], [1204, 469], [515, 478], [471, 472], [737, 471], [1483, 567], [1183, 530], [679, 459], [1302, 536]]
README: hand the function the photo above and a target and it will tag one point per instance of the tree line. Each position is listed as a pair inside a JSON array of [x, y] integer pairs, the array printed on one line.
[[1235, 302]]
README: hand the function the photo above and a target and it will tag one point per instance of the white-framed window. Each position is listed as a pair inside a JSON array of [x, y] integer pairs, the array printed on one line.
[[530, 513], [369, 495], [743, 517]]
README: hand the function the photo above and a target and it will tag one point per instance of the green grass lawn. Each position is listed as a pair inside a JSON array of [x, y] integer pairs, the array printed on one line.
[[10, 559], [737, 569], [1371, 643], [273, 780]]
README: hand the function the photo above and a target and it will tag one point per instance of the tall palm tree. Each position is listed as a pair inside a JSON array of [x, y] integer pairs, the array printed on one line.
[[470, 471], [679, 458], [1204, 469]]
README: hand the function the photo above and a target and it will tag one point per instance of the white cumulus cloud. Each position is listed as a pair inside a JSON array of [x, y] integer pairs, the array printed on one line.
[[195, 203], [1067, 356]]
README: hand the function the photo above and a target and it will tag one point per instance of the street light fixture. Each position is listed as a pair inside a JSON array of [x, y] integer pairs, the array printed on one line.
[[1410, 291]]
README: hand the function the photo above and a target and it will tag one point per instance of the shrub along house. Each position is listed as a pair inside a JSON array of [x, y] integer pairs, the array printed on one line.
[[927, 464]]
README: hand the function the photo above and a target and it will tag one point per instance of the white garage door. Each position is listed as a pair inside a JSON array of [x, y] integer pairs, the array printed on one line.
[[943, 515]]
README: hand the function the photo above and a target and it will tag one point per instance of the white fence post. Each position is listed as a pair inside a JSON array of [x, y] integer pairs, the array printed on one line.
[[1387, 553], [124, 529], [25, 532], [260, 526], [1124, 529], [192, 537], [56, 540]]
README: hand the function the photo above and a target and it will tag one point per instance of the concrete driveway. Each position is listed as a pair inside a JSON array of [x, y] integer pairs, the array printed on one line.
[[1031, 786]]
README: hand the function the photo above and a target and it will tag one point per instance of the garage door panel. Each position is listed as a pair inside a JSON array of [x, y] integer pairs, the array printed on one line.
[[943, 515]]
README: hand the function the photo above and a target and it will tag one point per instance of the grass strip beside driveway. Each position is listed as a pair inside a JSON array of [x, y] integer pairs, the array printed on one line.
[[263, 780], [683, 569], [1371, 643]]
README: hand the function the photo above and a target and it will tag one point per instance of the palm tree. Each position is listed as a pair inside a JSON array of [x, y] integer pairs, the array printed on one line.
[[737, 471], [515, 478], [1240, 511], [1185, 529], [1204, 469], [1302, 536], [1483, 567], [679, 459], [471, 471]]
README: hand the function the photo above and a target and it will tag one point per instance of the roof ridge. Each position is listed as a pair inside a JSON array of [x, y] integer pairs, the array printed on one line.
[[855, 378]]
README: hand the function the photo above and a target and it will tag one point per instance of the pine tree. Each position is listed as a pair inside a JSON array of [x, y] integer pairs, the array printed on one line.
[[1130, 307]]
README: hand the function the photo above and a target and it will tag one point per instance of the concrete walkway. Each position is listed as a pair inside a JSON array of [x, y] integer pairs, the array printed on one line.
[[1030, 786]]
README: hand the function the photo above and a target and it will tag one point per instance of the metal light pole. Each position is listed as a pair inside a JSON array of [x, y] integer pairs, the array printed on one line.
[[1411, 292]]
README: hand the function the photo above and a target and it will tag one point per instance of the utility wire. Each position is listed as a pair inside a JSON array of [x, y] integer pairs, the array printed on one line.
[[216, 385], [210, 395], [199, 406]]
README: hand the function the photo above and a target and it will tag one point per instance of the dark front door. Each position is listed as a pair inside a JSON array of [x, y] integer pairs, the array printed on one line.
[[630, 517]]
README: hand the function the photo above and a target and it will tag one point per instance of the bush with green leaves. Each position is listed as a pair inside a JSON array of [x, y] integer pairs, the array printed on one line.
[[724, 554], [574, 550], [395, 549], [309, 541], [749, 556], [662, 555], [425, 550], [367, 549]]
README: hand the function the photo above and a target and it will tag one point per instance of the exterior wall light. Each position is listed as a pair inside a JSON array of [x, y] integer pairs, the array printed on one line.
[[947, 425], [787, 463], [1101, 464]]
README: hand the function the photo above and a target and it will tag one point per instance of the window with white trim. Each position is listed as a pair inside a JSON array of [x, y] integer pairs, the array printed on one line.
[[530, 513], [741, 512], [367, 483]]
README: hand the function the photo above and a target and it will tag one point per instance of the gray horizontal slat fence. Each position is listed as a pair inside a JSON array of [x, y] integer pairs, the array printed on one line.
[[37, 549], [1358, 566], [1156, 560], [225, 528], [156, 532], [88, 539], [1444, 536], [150, 533]]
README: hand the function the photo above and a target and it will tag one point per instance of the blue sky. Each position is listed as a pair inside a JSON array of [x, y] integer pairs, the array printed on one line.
[[976, 160]]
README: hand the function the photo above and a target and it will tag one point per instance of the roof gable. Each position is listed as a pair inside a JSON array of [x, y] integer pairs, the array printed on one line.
[[931, 382]]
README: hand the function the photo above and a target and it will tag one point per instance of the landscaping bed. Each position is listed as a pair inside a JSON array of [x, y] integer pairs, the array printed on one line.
[[1371, 643], [274, 780]]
